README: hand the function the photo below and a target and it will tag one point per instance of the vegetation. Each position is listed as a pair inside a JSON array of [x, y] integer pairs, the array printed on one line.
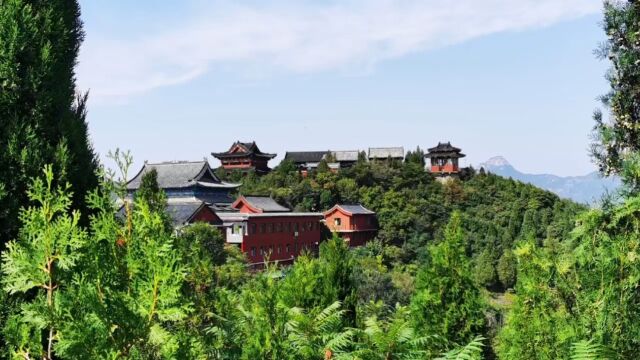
[[471, 268]]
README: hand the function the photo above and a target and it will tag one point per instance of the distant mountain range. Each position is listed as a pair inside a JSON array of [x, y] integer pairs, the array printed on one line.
[[586, 189]]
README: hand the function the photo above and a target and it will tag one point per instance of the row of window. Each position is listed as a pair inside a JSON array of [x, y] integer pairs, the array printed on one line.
[[267, 228], [280, 249]]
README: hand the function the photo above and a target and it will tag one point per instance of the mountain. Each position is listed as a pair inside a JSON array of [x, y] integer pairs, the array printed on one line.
[[586, 189]]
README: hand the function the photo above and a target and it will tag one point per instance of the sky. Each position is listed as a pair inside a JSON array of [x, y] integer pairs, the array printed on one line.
[[177, 80]]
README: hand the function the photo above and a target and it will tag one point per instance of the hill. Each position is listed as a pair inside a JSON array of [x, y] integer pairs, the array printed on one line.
[[586, 189]]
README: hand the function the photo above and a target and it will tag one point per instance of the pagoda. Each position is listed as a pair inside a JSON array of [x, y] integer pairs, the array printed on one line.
[[245, 157], [444, 159]]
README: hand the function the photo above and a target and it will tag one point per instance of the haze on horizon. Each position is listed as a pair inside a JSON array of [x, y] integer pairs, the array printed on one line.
[[176, 81]]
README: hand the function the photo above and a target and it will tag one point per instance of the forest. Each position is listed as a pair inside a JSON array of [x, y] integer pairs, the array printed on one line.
[[480, 267]]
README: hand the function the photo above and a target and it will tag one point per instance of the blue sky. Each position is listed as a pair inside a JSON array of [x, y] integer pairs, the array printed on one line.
[[178, 80]]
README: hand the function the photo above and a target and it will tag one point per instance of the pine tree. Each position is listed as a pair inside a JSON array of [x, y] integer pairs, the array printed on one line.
[[41, 114]]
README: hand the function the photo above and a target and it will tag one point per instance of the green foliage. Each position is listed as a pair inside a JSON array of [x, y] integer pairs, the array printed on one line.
[[485, 270], [618, 139], [43, 121], [393, 338], [471, 351], [313, 336], [586, 350], [606, 245], [447, 301], [540, 325], [507, 269], [42, 262]]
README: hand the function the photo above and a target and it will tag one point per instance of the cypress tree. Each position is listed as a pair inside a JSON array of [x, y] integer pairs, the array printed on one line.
[[43, 117]]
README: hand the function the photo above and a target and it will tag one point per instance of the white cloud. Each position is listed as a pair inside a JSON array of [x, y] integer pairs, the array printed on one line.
[[303, 38]]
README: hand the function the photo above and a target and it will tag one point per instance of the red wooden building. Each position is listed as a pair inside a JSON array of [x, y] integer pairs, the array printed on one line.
[[354, 223], [444, 159], [245, 157], [265, 229]]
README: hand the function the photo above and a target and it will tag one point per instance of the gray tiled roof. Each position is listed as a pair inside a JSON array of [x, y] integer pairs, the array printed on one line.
[[351, 155], [356, 209], [299, 157], [265, 204], [444, 147], [445, 150], [180, 212], [172, 175], [385, 153]]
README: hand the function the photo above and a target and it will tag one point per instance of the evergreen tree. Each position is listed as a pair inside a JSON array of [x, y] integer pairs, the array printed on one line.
[[415, 157], [507, 269], [447, 302], [617, 146], [41, 114], [540, 325], [42, 262]]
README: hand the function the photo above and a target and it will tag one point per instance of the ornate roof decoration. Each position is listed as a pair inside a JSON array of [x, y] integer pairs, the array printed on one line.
[[445, 150], [243, 149]]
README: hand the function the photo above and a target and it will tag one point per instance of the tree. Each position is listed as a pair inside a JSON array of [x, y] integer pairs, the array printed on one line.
[[539, 325], [415, 157], [617, 146], [447, 302], [43, 120], [485, 270], [42, 262], [507, 269]]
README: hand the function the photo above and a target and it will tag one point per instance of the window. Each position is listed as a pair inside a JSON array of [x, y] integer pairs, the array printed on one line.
[[270, 228], [288, 248], [279, 249], [288, 227], [261, 250], [295, 227], [338, 221], [253, 251], [262, 228], [254, 228]]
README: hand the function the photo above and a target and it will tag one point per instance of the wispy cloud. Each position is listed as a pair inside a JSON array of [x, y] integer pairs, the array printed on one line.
[[303, 37]]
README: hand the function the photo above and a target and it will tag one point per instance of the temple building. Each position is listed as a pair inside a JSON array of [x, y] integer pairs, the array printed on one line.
[[388, 153], [305, 161], [244, 157], [353, 223], [264, 229], [444, 159], [346, 159], [188, 181]]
